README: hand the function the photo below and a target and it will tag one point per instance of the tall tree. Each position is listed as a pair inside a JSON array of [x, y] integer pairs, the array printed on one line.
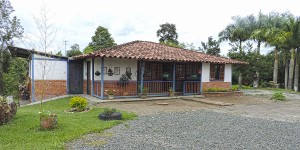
[[10, 28], [75, 50], [211, 47], [293, 27], [238, 31], [167, 34], [102, 39], [272, 33]]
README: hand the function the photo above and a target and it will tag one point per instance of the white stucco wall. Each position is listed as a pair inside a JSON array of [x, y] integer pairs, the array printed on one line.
[[112, 63], [227, 73], [205, 72], [49, 69]]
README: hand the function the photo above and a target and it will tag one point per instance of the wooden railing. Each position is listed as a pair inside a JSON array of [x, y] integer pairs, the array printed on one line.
[[191, 87]]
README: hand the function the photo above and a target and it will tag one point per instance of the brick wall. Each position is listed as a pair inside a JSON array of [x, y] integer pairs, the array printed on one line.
[[85, 84], [50, 88], [216, 84]]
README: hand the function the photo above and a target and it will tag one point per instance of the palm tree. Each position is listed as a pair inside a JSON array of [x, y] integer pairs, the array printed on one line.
[[292, 26], [239, 31], [273, 34]]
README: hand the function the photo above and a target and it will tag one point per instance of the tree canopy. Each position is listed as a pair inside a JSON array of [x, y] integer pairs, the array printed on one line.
[[102, 39], [10, 28], [211, 47], [167, 34], [74, 51]]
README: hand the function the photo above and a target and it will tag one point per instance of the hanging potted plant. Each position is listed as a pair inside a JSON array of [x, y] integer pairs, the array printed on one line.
[[110, 72], [165, 75], [97, 73]]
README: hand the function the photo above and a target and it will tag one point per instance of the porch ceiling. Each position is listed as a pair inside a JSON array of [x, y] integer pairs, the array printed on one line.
[[144, 50]]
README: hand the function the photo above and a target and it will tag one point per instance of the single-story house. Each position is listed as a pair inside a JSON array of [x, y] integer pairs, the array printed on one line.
[[127, 69]]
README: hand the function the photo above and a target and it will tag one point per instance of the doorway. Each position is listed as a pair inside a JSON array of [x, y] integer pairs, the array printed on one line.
[[88, 77]]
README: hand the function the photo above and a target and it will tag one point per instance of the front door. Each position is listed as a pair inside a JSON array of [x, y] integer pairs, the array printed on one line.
[[88, 78], [75, 77], [180, 76]]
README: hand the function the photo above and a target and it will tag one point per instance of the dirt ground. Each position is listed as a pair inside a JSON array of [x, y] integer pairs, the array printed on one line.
[[254, 103]]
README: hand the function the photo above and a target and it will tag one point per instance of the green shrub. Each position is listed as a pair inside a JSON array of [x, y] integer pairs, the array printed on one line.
[[234, 87], [278, 96], [78, 103], [216, 90], [108, 111]]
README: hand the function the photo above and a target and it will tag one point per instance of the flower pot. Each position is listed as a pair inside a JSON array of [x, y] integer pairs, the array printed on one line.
[[143, 96], [110, 96], [48, 122], [113, 116], [171, 94]]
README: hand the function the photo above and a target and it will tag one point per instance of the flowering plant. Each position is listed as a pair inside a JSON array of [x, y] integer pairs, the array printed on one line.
[[46, 114], [110, 91]]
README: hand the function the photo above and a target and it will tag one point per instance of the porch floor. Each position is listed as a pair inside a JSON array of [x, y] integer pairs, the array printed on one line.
[[97, 100]]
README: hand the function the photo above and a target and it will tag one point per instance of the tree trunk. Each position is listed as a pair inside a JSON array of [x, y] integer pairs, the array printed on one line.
[[291, 71], [240, 80], [296, 73], [286, 73], [275, 71], [258, 47], [240, 47]]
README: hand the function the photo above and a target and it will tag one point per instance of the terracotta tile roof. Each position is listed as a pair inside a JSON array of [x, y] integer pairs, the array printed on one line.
[[157, 52]]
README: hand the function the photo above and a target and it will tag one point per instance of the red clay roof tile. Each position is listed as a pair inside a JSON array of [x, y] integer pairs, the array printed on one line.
[[157, 52]]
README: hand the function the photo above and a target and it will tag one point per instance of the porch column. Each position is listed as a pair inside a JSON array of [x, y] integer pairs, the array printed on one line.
[[102, 77], [93, 77], [201, 79], [142, 75], [32, 78], [174, 73]]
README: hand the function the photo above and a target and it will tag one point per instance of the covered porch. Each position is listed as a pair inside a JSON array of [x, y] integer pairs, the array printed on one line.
[[184, 78]]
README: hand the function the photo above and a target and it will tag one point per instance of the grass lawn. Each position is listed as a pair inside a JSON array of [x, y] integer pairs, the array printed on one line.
[[24, 131]]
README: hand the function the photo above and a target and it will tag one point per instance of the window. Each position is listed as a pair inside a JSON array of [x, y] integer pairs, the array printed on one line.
[[217, 71]]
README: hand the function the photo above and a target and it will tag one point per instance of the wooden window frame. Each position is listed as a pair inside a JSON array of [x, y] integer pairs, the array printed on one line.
[[221, 72]]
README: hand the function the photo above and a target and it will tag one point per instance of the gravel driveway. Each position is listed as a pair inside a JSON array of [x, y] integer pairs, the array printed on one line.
[[254, 122], [200, 129]]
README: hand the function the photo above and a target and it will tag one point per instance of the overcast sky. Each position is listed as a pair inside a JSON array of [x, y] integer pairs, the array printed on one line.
[[128, 20]]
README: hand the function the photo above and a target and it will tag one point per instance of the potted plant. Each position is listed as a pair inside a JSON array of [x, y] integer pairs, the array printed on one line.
[[165, 75], [193, 76], [171, 92], [48, 120], [110, 114], [110, 93], [144, 93]]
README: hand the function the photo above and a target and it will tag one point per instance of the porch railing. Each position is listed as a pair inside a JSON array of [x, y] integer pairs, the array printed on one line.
[[191, 87], [157, 87]]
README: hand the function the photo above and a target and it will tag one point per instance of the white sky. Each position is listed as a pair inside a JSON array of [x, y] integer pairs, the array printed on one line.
[[128, 20]]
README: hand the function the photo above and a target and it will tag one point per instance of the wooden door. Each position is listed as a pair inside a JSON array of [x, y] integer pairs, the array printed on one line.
[[75, 77]]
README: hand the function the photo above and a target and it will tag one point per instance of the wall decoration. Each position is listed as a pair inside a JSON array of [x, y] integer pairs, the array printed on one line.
[[128, 69], [105, 70], [117, 70]]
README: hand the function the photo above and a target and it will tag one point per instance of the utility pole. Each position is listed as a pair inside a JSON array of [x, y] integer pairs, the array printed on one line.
[[65, 41]]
